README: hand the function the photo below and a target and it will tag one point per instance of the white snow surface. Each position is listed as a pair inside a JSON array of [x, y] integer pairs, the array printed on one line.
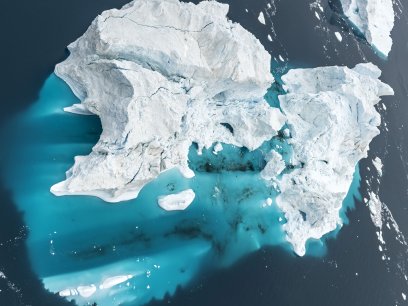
[[374, 19], [331, 115], [161, 75], [177, 201]]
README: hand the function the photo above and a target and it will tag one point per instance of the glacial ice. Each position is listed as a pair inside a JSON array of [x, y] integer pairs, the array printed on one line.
[[274, 166], [338, 36], [331, 114], [377, 162], [374, 19], [178, 201], [261, 18], [162, 75]]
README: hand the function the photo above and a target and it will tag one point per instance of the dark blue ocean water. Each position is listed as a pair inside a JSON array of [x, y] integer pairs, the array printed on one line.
[[349, 272]]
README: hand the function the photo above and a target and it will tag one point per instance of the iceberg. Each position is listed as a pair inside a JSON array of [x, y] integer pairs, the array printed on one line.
[[332, 116], [162, 75], [180, 94], [374, 19], [178, 201]]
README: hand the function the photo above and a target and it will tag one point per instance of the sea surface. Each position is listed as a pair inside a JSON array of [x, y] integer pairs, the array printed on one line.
[[62, 236]]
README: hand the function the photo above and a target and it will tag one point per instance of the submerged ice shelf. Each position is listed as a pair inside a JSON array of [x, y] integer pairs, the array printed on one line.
[[185, 125]]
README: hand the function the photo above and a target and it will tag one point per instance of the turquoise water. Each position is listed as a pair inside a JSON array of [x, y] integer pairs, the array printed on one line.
[[82, 241]]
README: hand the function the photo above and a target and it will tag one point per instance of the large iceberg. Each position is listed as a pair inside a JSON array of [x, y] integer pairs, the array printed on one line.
[[331, 114], [374, 19], [162, 75]]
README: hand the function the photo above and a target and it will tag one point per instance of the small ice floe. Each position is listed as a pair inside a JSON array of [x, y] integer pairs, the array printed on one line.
[[275, 165], [217, 148], [338, 36], [68, 292], [269, 37], [268, 202], [317, 15], [113, 281], [375, 206], [378, 165], [404, 297], [261, 18], [86, 291], [178, 201]]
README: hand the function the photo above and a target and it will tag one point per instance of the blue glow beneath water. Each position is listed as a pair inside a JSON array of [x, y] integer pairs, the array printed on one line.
[[82, 240]]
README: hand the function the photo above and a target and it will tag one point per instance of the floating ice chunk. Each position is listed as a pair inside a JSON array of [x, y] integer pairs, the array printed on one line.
[[317, 15], [172, 86], [261, 18], [65, 293], [331, 114], [86, 291], [68, 292], [269, 37], [378, 165], [338, 36], [374, 19], [404, 297], [113, 281], [375, 206], [217, 148], [274, 166], [178, 201]]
